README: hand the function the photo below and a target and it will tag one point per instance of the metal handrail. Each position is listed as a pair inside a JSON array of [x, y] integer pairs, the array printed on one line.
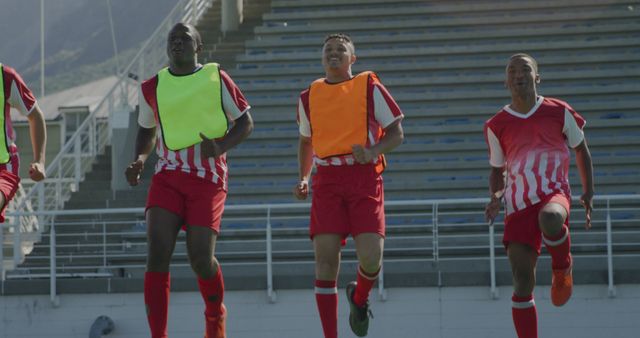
[[269, 208]]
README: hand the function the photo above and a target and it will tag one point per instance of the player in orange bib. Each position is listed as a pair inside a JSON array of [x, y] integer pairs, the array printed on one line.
[[184, 110], [529, 143], [346, 125]]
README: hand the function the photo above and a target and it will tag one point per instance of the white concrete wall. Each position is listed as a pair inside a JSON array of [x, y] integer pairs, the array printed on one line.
[[408, 313]]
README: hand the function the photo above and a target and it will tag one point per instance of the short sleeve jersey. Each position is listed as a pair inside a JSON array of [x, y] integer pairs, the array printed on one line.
[[20, 97], [188, 160], [382, 111], [534, 150]]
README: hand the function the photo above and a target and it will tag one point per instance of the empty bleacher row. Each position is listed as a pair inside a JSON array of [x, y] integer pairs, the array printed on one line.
[[444, 62]]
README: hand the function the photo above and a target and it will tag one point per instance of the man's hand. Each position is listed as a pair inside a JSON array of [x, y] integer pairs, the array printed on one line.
[[301, 190], [36, 171], [133, 172], [492, 209], [363, 155], [587, 202], [209, 147]]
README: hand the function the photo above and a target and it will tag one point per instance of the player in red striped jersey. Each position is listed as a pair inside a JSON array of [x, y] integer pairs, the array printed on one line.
[[16, 94], [346, 124], [181, 108], [529, 143]]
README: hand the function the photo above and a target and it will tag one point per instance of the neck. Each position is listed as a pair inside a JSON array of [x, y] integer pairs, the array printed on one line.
[[183, 68], [338, 76], [523, 104]]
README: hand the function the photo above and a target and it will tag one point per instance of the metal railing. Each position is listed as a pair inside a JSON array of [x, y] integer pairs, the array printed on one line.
[[68, 168], [432, 216]]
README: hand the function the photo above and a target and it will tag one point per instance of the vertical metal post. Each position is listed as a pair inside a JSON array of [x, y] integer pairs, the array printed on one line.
[[271, 294], [492, 262], [382, 292], [104, 244], [78, 163], [436, 249], [52, 265], [612, 290], [194, 12], [41, 205], [17, 242]]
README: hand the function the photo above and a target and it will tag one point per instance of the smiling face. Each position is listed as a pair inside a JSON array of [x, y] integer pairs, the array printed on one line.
[[183, 44], [522, 76], [338, 56]]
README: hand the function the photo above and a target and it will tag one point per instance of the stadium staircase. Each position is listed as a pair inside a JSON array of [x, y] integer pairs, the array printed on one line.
[[444, 63]]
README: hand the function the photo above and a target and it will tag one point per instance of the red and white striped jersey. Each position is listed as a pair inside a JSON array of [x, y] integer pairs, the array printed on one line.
[[20, 97], [382, 111], [533, 149], [189, 160]]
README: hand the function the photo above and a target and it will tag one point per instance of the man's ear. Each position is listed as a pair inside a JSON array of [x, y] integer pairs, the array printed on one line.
[[353, 58], [537, 79]]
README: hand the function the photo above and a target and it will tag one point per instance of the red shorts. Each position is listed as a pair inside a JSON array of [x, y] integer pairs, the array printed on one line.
[[522, 226], [347, 200], [196, 201], [9, 184]]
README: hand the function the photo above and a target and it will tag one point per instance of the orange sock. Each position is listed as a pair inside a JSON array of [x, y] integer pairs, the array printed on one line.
[[327, 301], [525, 317], [156, 300]]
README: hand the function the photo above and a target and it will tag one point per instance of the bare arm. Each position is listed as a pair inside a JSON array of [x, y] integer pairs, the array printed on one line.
[[496, 190], [393, 137], [305, 165], [585, 168], [241, 129], [144, 145], [38, 131]]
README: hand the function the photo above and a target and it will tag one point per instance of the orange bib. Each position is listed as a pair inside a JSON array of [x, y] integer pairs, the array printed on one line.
[[338, 115]]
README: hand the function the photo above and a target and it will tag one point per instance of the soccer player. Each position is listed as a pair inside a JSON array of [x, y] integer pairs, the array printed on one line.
[[529, 143], [186, 108], [346, 125], [15, 93]]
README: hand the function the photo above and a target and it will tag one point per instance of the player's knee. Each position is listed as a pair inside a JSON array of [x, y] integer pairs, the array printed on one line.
[[549, 218], [158, 263], [204, 267], [370, 261], [524, 281]]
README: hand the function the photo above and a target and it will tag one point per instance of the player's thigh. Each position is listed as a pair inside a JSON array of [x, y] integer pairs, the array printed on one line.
[[523, 259], [162, 231]]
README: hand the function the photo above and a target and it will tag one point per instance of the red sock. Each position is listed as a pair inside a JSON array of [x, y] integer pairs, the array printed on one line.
[[327, 301], [525, 317], [559, 247], [212, 291], [156, 300], [363, 288]]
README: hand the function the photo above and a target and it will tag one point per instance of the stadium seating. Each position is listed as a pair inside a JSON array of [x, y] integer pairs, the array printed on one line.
[[444, 63]]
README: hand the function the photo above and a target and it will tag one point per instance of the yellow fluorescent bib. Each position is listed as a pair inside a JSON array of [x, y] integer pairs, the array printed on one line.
[[4, 147], [189, 105], [338, 114]]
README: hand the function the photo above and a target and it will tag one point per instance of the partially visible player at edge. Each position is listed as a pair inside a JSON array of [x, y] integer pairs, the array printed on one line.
[[15, 93], [346, 123], [186, 109], [529, 143]]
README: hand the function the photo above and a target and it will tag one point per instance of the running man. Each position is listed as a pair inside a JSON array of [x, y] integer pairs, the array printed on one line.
[[346, 124], [529, 142], [16, 94], [186, 109]]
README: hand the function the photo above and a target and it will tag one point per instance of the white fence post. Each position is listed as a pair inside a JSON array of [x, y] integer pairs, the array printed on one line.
[[612, 290], [271, 294]]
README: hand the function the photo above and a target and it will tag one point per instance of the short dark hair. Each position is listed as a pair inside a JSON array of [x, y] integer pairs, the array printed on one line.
[[527, 56], [193, 29], [340, 36]]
